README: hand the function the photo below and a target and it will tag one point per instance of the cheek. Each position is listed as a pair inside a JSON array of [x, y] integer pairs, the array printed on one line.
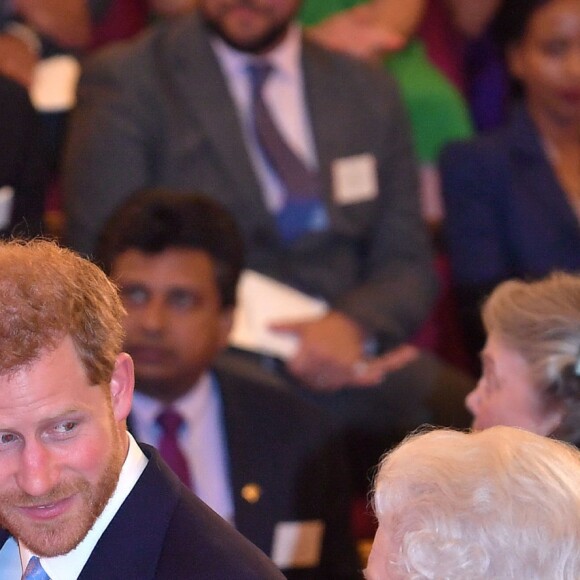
[[90, 456]]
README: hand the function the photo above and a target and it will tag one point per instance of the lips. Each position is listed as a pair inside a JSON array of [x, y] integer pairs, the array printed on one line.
[[47, 511], [571, 96], [150, 355]]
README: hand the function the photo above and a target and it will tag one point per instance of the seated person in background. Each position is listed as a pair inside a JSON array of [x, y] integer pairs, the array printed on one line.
[[501, 503], [438, 112], [531, 360], [512, 196], [265, 460], [335, 213], [33, 31], [23, 175], [79, 497]]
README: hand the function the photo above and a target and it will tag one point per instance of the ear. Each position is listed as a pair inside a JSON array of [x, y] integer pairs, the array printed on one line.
[[122, 385], [225, 325]]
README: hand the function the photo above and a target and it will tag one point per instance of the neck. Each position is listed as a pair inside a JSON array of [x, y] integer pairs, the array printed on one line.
[[562, 132]]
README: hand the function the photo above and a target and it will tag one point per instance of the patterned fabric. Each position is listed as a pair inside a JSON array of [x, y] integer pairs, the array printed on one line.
[[303, 210], [34, 570]]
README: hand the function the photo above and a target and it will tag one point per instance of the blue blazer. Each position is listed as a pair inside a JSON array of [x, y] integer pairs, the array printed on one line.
[[507, 215], [164, 532]]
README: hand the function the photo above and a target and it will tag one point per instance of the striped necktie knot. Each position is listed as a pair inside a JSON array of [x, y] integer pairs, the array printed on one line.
[[34, 570]]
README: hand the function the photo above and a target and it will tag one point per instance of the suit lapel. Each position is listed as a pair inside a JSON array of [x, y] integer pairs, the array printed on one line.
[[252, 516], [124, 551], [534, 177], [211, 104], [323, 113]]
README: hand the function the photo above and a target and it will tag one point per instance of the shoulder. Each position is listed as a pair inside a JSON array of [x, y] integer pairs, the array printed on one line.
[[191, 538], [198, 543], [518, 134], [269, 404], [351, 74], [163, 43]]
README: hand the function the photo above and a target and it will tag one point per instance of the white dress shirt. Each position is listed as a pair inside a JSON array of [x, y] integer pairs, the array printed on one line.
[[284, 96], [202, 440]]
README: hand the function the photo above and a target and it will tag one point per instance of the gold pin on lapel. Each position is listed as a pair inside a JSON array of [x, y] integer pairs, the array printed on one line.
[[251, 492]]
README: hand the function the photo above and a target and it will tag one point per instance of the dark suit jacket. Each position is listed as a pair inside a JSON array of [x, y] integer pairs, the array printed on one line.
[[507, 215], [21, 163], [285, 448], [288, 448], [163, 532], [157, 111]]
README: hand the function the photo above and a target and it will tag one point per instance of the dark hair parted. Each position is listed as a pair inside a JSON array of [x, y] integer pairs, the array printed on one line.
[[154, 220], [47, 293], [510, 23]]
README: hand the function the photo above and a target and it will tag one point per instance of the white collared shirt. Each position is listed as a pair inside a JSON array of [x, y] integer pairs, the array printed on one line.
[[202, 439], [284, 95], [70, 565]]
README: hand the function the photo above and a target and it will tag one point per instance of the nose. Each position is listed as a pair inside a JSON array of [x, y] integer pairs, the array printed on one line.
[[472, 400], [573, 63], [38, 471], [153, 316]]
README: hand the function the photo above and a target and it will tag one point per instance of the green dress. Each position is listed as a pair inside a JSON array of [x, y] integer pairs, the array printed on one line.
[[437, 110]]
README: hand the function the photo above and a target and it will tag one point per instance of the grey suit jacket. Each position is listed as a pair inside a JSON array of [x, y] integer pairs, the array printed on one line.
[[157, 112]]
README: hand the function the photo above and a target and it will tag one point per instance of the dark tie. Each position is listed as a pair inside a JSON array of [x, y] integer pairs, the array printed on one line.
[[170, 422], [34, 570], [303, 209]]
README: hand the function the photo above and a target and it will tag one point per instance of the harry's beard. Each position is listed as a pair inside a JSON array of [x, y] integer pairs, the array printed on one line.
[[63, 533]]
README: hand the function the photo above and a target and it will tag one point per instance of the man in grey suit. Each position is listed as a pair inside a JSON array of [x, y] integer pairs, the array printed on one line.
[[176, 108]]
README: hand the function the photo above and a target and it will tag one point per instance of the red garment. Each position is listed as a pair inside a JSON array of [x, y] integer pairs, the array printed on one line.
[[444, 44]]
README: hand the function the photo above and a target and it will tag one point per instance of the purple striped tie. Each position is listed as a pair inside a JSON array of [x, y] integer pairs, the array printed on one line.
[[303, 207]]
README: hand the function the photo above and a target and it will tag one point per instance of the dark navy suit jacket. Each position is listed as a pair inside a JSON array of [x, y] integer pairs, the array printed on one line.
[[163, 532], [285, 448], [507, 215]]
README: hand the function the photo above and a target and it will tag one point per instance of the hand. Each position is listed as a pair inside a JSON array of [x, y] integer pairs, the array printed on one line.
[[329, 348], [357, 32], [17, 61], [373, 371]]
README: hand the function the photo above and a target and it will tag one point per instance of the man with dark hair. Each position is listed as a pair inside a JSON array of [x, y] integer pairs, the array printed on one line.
[[265, 460], [311, 152], [79, 498]]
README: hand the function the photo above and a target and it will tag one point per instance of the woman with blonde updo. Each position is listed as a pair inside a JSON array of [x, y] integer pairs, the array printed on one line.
[[531, 359]]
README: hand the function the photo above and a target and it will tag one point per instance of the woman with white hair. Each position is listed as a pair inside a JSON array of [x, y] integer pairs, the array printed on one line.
[[500, 503], [531, 360]]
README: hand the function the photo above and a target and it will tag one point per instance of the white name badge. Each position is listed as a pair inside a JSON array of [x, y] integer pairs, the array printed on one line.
[[6, 203], [297, 544], [355, 179]]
